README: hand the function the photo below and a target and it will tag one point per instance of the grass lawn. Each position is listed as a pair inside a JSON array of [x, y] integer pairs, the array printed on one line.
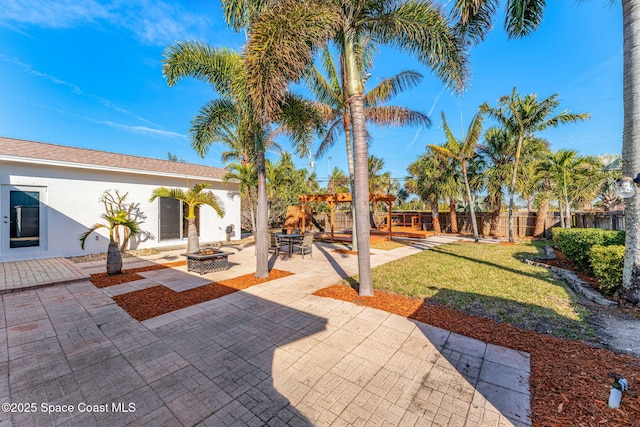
[[489, 280]]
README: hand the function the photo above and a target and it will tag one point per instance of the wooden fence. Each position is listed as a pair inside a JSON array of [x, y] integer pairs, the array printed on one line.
[[524, 222]]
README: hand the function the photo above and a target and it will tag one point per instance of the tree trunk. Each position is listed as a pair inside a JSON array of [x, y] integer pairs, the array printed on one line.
[[114, 259], [630, 145], [435, 217], [453, 217], [470, 198], [541, 216], [567, 214], [262, 228], [360, 165], [494, 224], [193, 245], [347, 135], [512, 187]]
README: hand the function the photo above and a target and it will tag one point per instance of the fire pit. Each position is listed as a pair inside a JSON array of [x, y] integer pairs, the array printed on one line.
[[207, 260]]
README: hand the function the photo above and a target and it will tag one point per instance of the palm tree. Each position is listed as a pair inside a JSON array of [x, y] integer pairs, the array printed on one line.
[[573, 177], [288, 33], [115, 217], [611, 166], [497, 156], [193, 197], [247, 176], [462, 151], [338, 182], [226, 71], [430, 180], [522, 117], [334, 103]]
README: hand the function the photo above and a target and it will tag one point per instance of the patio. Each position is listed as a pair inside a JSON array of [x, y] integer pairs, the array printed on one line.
[[272, 354]]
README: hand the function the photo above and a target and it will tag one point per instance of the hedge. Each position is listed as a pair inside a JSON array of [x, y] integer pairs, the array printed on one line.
[[607, 263], [576, 243]]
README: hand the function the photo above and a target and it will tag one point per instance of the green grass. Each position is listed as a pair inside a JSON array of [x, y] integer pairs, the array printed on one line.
[[492, 281]]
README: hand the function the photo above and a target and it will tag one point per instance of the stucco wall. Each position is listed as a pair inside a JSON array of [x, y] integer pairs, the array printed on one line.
[[72, 205]]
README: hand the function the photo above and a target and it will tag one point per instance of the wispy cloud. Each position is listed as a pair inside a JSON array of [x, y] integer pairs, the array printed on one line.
[[75, 89], [153, 22], [435, 102], [142, 130], [415, 138]]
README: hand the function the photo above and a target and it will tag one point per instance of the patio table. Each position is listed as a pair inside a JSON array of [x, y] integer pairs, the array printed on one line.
[[290, 239]]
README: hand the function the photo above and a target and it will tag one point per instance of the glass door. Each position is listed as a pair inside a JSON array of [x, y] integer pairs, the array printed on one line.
[[22, 218]]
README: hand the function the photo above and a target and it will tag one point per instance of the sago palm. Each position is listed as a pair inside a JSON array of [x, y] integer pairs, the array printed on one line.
[[289, 32], [193, 197]]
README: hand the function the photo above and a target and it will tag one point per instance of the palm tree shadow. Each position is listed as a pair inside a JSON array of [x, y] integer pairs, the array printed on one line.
[[334, 264]]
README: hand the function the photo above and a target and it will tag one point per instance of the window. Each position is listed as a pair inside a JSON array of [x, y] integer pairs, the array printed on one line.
[[173, 219], [24, 211]]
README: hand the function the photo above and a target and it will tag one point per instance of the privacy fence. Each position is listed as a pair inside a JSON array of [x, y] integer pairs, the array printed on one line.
[[524, 222]]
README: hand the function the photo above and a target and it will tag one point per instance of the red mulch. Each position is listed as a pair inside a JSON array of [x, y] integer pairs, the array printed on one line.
[[103, 280], [569, 380], [151, 302]]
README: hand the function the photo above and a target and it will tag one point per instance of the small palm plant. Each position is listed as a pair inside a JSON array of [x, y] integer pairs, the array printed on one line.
[[113, 219], [192, 197]]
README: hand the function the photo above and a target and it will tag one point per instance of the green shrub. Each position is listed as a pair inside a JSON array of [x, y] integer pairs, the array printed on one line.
[[575, 243], [607, 263]]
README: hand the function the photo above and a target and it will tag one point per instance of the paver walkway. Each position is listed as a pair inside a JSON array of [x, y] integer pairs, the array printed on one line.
[[273, 354]]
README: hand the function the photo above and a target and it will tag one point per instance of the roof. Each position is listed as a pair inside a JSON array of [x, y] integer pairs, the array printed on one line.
[[38, 152]]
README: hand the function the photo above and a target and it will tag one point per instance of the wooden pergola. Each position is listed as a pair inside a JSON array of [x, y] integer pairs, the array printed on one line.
[[333, 199]]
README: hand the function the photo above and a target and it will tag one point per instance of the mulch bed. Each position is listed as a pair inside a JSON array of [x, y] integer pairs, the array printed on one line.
[[569, 380], [103, 280], [151, 302]]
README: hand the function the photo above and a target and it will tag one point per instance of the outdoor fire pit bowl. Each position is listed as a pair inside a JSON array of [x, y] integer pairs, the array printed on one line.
[[207, 260]]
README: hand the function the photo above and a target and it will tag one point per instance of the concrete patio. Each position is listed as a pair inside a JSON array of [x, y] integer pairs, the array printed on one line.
[[273, 354]]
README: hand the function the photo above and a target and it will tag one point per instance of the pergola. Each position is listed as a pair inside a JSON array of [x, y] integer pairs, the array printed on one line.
[[333, 199]]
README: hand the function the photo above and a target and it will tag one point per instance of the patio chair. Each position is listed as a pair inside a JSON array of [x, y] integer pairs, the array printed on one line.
[[305, 246], [274, 244]]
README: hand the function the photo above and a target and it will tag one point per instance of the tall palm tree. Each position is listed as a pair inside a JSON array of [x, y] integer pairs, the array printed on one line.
[[193, 197], [462, 150], [497, 157], [523, 117], [289, 32], [246, 175], [338, 182], [226, 71], [333, 101]]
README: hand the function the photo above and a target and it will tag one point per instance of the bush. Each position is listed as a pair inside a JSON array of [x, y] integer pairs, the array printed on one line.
[[607, 263], [575, 243]]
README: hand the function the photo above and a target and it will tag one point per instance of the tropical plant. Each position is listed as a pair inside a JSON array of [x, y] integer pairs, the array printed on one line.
[[573, 176], [611, 167], [234, 112], [117, 217], [462, 150], [523, 117], [338, 182], [475, 20], [289, 32], [430, 180], [193, 197]]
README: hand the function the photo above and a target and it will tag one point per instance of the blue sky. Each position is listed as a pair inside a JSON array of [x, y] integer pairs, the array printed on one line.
[[87, 73]]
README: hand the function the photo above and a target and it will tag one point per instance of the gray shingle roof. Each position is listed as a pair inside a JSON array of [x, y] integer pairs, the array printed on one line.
[[39, 152]]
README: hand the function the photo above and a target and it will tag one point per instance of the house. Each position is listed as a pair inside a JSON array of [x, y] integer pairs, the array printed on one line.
[[50, 194]]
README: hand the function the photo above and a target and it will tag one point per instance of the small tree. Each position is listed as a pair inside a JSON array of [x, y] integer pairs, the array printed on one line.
[[116, 217], [192, 197]]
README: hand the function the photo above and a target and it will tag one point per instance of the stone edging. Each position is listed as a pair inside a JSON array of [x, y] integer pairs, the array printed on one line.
[[570, 278]]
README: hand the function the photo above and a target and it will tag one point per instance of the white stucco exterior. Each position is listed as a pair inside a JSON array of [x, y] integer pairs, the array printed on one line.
[[69, 200]]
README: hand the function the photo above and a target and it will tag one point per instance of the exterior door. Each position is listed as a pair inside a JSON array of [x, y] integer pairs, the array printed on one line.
[[23, 219]]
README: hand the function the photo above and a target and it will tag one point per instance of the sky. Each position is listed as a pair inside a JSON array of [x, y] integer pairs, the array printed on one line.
[[88, 73]]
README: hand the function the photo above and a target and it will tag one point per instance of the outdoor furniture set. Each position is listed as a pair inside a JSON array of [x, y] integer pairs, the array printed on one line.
[[294, 242]]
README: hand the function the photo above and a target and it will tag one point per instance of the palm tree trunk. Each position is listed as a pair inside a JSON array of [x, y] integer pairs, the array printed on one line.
[[495, 221], [512, 187], [567, 213], [262, 229], [453, 217], [435, 217], [630, 146], [360, 165], [114, 259], [470, 198], [192, 236], [561, 207], [347, 133], [541, 216]]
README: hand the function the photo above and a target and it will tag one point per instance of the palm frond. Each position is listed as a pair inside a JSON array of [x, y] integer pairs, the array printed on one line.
[[523, 17], [396, 116], [392, 86]]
